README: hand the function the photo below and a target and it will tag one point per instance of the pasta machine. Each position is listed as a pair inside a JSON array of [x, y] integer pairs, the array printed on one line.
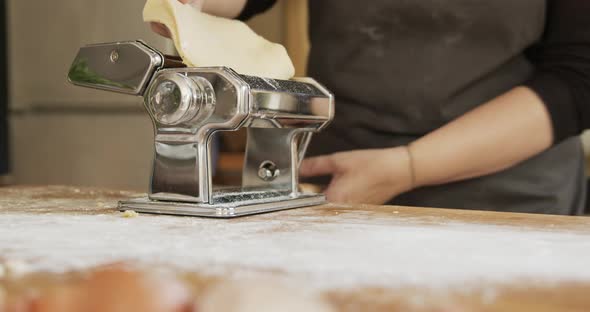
[[187, 105]]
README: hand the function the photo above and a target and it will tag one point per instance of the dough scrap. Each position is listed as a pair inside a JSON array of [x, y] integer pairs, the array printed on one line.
[[130, 214], [205, 40]]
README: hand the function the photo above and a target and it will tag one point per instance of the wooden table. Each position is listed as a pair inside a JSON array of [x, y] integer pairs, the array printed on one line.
[[354, 258]]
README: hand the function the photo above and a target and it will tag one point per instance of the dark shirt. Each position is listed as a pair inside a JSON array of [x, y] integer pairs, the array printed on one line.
[[561, 62]]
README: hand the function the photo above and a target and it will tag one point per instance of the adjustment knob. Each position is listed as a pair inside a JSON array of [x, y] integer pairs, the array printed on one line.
[[174, 98]]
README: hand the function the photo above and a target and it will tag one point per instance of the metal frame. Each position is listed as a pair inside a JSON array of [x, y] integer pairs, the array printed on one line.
[[188, 105], [230, 210]]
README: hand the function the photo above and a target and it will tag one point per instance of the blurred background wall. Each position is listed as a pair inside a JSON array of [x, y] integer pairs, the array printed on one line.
[[62, 134]]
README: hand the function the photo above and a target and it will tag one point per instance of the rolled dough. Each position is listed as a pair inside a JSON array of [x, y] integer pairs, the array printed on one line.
[[206, 40]]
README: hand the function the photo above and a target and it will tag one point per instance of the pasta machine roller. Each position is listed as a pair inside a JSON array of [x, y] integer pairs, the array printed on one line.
[[187, 105]]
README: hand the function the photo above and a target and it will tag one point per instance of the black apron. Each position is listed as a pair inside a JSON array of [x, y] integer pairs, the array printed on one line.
[[403, 68]]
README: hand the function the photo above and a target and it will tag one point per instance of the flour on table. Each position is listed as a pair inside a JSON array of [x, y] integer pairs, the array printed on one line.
[[205, 40], [348, 250]]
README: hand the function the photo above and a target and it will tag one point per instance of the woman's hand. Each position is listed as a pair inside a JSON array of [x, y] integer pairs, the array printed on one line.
[[162, 30], [364, 176]]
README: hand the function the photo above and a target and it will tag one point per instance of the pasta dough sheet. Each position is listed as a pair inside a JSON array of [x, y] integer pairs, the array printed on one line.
[[205, 40]]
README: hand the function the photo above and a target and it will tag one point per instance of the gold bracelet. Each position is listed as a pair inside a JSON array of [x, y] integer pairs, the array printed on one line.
[[411, 164]]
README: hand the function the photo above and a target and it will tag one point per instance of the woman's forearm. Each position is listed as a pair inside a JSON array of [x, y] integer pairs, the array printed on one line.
[[497, 135], [223, 8]]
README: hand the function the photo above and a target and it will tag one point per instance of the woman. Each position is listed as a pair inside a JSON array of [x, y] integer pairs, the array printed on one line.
[[455, 104]]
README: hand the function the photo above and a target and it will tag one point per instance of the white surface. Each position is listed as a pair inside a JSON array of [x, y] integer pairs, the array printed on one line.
[[352, 252], [206, 40]]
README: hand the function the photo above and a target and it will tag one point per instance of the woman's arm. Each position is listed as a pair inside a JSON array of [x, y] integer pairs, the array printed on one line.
[[553, 105], [562, 61], [492, 137], [497, 135]]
